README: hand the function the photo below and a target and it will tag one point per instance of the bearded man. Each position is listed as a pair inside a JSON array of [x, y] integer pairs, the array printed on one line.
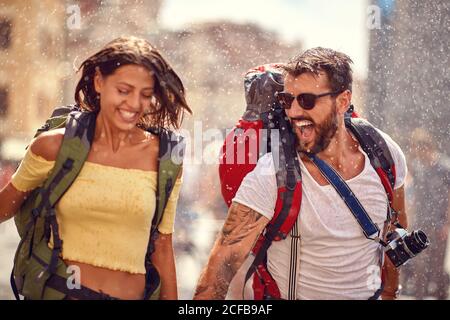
[[335, 259]]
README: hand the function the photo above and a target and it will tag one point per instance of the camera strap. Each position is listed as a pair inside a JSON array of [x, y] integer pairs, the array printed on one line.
[[370, 229]]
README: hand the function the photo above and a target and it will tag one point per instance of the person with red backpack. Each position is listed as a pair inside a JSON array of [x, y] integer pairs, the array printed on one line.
[[316, 208]]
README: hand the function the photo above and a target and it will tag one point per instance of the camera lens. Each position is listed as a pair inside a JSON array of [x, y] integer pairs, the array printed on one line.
[[416, 241]]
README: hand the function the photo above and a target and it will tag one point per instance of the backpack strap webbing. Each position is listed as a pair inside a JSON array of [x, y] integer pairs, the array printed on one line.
[[59, 283], [373, 143]]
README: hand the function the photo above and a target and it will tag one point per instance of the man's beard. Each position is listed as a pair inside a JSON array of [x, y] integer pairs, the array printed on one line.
[[325, 132]]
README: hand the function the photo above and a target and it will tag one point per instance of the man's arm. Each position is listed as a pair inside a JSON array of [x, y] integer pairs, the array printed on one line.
[[391, 272], [233, 245]]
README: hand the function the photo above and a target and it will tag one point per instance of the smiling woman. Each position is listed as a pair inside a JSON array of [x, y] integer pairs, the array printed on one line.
[[96, 193], [164, 92], [127, 94]]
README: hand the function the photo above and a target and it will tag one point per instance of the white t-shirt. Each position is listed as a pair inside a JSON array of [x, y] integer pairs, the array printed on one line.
[[334, 259]]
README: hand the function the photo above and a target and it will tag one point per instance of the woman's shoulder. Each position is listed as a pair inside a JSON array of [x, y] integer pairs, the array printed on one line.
[[48, 143]]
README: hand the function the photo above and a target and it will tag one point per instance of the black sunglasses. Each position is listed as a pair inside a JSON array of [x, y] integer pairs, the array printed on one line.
[[306, 100]]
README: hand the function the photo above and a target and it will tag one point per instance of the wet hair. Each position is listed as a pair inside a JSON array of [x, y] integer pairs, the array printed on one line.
[[169, 103], [335, 64]]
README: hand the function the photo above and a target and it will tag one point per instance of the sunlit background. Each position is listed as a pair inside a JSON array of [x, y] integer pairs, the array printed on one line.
[[401, 77]]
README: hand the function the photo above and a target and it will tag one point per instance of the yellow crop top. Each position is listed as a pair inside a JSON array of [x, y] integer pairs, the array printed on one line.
[[105, 216]]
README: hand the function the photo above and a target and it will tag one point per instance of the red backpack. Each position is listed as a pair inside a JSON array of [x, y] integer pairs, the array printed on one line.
[[263, 128]]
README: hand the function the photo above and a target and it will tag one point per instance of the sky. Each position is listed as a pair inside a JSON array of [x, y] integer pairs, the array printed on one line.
[[337, 24]]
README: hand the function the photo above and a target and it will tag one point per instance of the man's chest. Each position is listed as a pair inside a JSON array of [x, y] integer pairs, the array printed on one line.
[[324, 214], [349, 169]]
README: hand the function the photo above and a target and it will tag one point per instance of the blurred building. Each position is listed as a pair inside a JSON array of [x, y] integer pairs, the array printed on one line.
[[409, 78], [212, 59], [30, 62], [99, 23]]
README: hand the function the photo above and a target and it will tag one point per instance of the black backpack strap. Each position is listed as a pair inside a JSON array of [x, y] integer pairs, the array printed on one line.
[[373, 143], [59, 283], [14, 286]]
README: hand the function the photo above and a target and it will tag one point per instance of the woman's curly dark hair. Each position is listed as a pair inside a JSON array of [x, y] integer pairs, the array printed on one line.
[[170, 101]]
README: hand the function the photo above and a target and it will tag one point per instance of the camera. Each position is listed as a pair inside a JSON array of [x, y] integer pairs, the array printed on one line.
[[402, 246]]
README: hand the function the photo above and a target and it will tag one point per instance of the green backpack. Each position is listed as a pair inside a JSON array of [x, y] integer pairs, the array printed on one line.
[[39, 272]]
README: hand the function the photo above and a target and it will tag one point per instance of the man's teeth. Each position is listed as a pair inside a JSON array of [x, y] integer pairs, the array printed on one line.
[[303, 123]]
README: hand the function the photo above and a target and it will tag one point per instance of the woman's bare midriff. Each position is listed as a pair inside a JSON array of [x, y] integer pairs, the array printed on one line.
[[118, 284]]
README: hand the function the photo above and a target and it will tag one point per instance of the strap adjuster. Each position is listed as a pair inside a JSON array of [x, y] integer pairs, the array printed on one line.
[[68, 164], [35, 213]]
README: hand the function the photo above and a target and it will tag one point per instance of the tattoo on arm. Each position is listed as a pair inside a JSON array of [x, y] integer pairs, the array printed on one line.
[[201, 286], [238, 236], [225, 274], [241, 222]]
